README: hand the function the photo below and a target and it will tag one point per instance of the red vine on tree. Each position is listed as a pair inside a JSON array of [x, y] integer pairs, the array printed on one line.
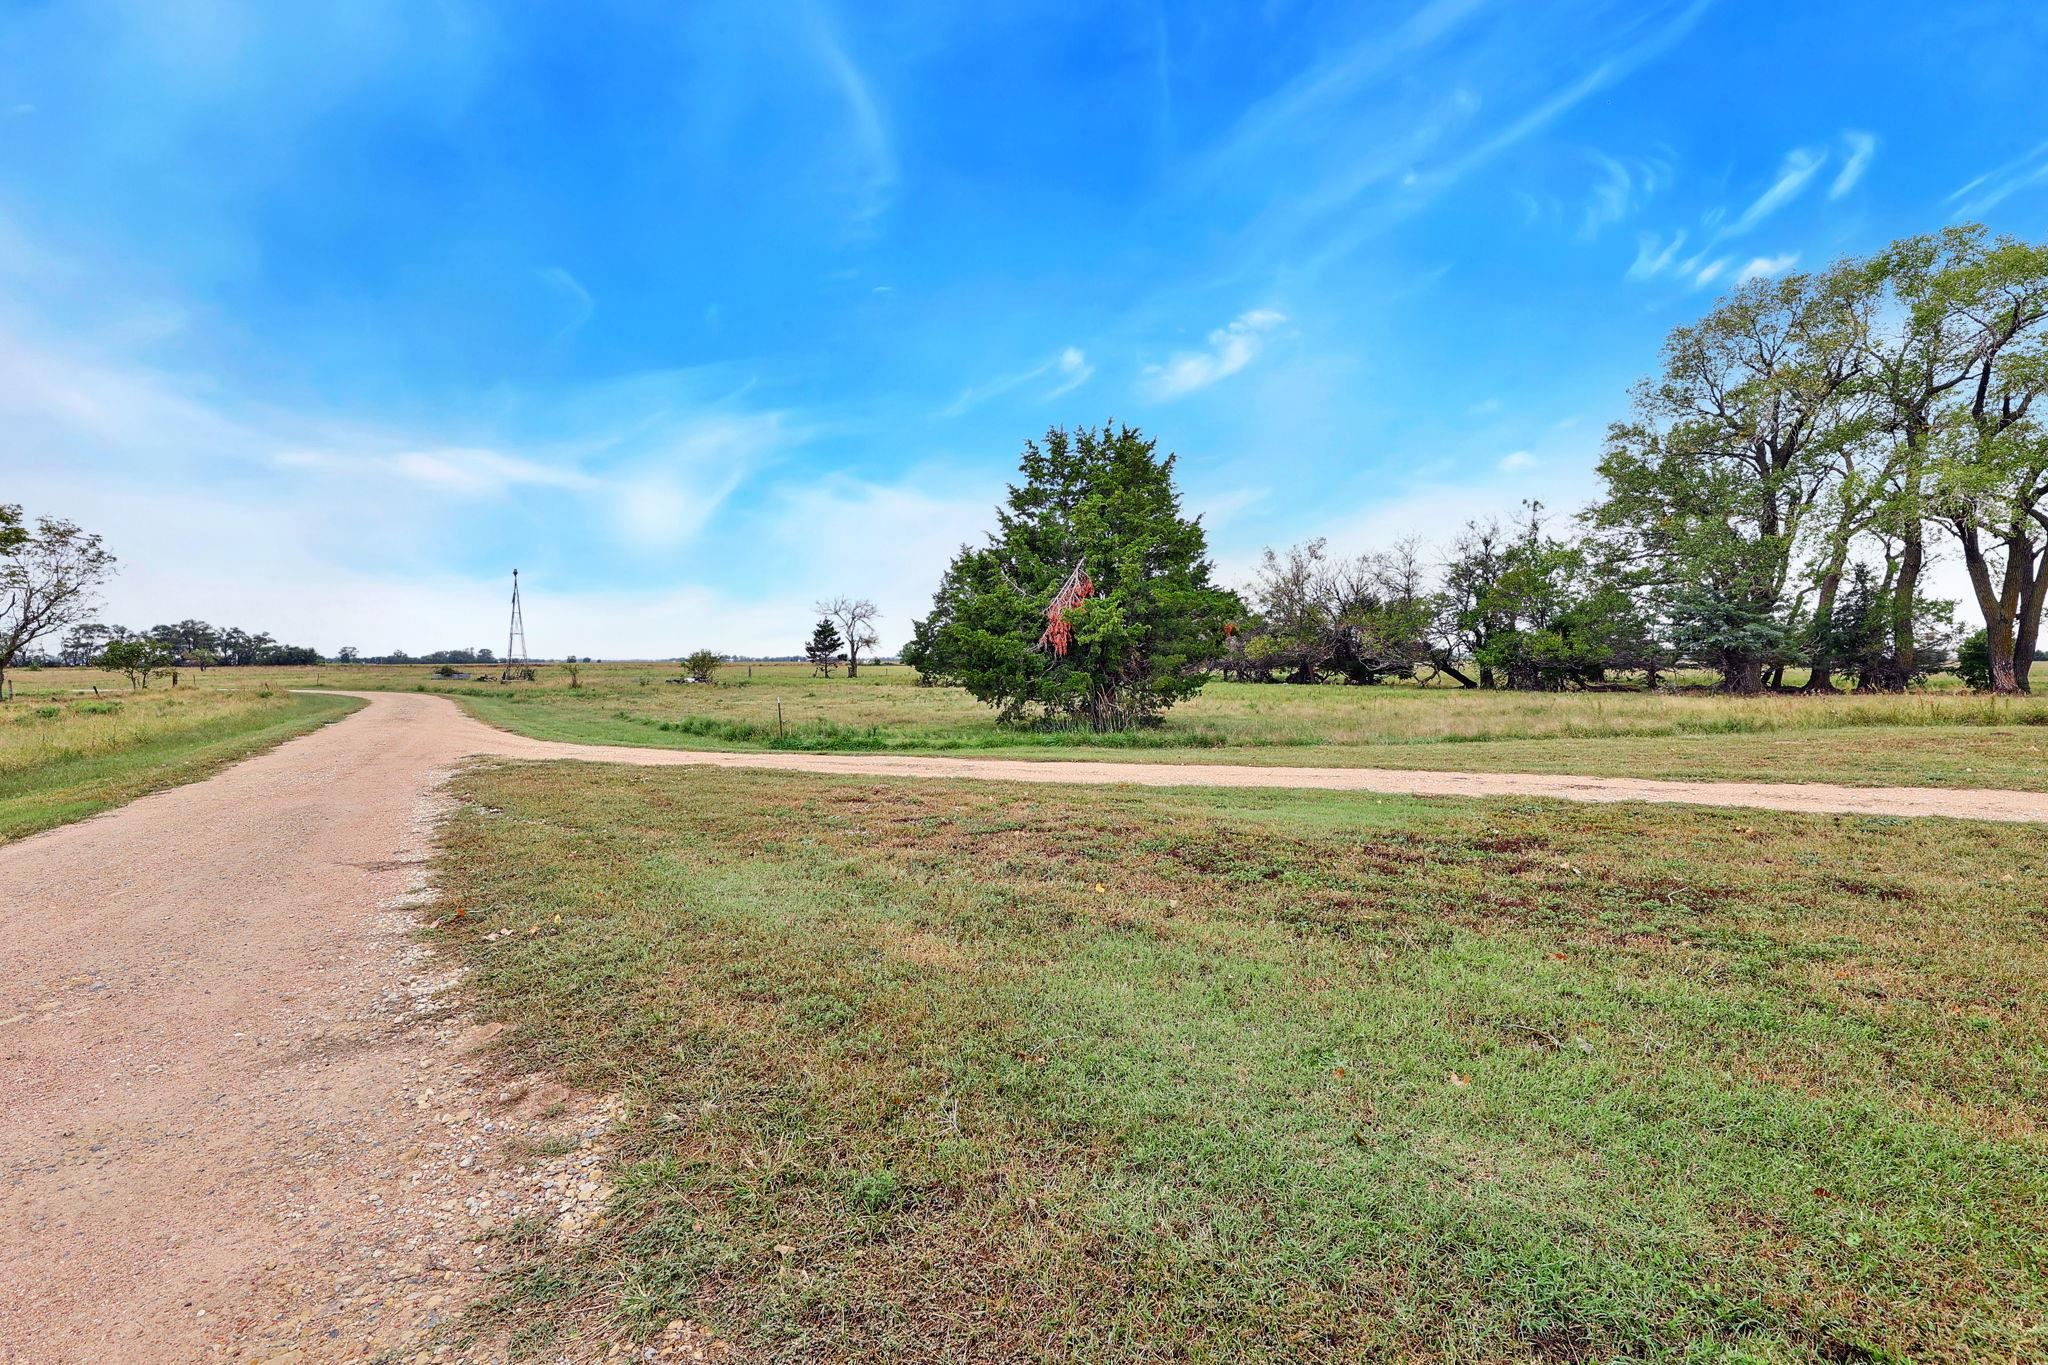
[[1059, 632]]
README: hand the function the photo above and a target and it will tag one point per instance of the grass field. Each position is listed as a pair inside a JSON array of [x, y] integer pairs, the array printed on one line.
[[1939, 737], [965, 1072], [65, 756]]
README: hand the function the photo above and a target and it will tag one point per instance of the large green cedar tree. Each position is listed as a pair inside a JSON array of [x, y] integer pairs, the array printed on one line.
[[1142, 642]]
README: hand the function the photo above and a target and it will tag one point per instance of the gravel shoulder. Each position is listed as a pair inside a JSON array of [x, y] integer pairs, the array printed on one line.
[[239, 1117]]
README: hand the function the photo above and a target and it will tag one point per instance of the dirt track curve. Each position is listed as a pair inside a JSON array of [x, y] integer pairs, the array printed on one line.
[[236, 1120]]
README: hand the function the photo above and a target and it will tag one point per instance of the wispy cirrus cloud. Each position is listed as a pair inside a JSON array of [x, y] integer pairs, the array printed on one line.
[[463, 471], [874, 165], [1801, 164], [1621, 188], [580, 305], [1862, 147], [1995, 186], [1324, 98], [1655, 255], [1074, 369], [1661, 257], [1069, 364], [1366, 146], [1231, 347]]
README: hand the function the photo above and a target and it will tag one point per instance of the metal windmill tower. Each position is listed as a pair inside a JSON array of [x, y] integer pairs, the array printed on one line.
[[515, 635]]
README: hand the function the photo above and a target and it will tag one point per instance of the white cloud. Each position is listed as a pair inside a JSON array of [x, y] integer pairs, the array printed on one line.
[[1070, 363], [1654, 256], [1319, 101], [459, 471], [1767, 267], [1074, 371], [873, 154], [580, 304], [907, 531], [659, 511], [1801, 164], [670, 475], [1364, 142], [1621, 189], [1657, 257], [1516, 459], [1231, 348], [1218, 510], [1995, 186], [1862, 146]]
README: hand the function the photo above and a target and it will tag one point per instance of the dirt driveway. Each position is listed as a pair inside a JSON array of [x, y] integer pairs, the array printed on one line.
[[237, 1119]]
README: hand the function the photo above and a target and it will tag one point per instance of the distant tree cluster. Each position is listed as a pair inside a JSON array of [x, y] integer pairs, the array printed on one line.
[[185, 644], [1511, 608], [1312, 616], [439, 656]]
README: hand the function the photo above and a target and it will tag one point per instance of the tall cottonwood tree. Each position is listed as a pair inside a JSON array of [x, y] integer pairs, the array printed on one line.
[[1990, 485], [1710, 486], [1912, 364]]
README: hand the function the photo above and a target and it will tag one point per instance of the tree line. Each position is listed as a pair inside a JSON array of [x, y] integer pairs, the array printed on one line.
[[183, 644], [1773, 501]]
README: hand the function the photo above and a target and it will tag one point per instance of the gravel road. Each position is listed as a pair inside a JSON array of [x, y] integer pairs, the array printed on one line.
[[238, 1119]]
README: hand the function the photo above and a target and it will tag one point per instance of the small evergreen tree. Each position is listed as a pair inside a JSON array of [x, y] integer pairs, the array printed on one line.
[[824, 646], [1143, 639]]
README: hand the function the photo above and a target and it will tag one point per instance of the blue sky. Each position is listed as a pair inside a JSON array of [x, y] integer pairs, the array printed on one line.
[[329, 316]]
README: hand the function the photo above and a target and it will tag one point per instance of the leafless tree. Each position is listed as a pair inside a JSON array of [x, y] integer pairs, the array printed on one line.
[[856, 617]]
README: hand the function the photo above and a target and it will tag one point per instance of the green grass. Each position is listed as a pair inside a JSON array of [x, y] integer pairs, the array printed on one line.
[[62, 759], [1175, 1075], [1938, 737]]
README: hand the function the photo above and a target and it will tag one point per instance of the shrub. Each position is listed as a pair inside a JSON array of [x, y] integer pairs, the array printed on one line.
[[1973, 661]]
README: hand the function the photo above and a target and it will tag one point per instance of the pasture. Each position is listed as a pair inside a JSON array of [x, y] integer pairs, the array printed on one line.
[[942, 1070], [1942, 736], [952, 1071]]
